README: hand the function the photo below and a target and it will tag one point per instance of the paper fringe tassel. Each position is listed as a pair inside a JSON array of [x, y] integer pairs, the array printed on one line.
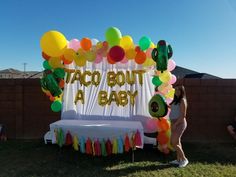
[[96, 147]]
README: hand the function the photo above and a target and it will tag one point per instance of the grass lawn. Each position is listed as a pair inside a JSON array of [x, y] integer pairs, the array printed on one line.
[[34, 159]]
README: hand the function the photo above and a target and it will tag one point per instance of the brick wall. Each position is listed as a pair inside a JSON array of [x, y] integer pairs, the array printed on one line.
[[25, 110]]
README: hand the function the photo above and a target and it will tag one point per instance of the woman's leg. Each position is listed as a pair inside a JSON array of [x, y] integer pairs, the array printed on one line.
[[176, 140]]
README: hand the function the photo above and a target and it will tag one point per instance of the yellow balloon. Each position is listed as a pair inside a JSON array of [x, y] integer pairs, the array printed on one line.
[[53, 43], [126, 42], [55, 63], [80, 59], [99, 45], [152, 45], [170, 94], [165, 76], [59, 98], [149, 62], [130, 53], [69, 54], [90, 56]]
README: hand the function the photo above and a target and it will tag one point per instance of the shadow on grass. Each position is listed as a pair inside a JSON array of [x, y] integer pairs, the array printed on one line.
[[33, 158]]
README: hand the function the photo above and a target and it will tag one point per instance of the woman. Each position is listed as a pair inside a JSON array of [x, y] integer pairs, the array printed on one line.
[[178, 124], [232, 128]]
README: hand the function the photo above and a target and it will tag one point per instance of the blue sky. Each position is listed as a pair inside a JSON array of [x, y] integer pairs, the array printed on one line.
[[201, 32]]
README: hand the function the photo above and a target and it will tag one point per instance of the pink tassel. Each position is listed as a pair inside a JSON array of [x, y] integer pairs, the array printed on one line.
[[109, 147], [137, 139], [69, 140], [99, 151]]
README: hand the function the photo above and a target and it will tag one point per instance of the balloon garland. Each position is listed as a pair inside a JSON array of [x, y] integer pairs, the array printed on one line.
[[58, 52], [159, 103]]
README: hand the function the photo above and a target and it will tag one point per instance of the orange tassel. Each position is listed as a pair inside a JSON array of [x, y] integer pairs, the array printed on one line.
[[88, 146]]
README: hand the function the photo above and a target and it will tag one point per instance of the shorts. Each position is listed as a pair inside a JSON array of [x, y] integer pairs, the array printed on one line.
[[180, 128]]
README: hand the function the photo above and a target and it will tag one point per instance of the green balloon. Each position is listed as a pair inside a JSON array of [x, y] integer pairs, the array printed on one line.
[[59, 73], [113, 36], [156, 81], [56, 106], [144, 42], [46, 65]]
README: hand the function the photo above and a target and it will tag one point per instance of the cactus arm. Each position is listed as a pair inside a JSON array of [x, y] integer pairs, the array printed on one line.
[[170, 51], [155, 54]]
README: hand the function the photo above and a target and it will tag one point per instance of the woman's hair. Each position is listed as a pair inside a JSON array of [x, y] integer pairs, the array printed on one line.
[[177, 99]]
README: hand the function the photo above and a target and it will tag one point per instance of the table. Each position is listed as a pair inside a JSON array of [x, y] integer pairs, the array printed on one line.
[[100, 129]]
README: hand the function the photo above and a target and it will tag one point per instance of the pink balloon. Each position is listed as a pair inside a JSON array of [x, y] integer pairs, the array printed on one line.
[[125, 60], [173, 79], [98, 59], [151, 125], [149, 53], [74, 44], [171, 65], [168, 101]]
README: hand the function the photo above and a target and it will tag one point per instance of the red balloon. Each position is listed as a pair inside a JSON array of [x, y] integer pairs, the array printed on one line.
[[137, 49], [117, 53], [110, 60]]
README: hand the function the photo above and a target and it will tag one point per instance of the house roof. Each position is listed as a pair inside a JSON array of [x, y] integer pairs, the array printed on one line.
[[179, 72]]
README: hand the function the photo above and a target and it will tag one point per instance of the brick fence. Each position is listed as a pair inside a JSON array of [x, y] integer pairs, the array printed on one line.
[[25, 110]]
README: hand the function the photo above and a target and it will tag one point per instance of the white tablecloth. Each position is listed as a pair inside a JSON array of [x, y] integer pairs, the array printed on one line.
[[99, 129]]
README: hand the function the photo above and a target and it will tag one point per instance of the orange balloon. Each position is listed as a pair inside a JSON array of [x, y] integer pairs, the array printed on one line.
[[52, 98], [61, 83], [162, 138], [140, 57], [65, 61], [45, 56], [164, 124], [86, 44]]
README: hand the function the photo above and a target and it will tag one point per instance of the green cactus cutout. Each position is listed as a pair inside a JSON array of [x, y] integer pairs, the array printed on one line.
[[49, 82], [161, 54]]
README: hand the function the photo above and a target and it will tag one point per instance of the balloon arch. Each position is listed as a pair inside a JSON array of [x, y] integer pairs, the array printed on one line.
[[116, 49]]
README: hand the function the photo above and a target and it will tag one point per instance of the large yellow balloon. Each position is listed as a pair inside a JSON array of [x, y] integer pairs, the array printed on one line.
[[53, 43], [126, 42]]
